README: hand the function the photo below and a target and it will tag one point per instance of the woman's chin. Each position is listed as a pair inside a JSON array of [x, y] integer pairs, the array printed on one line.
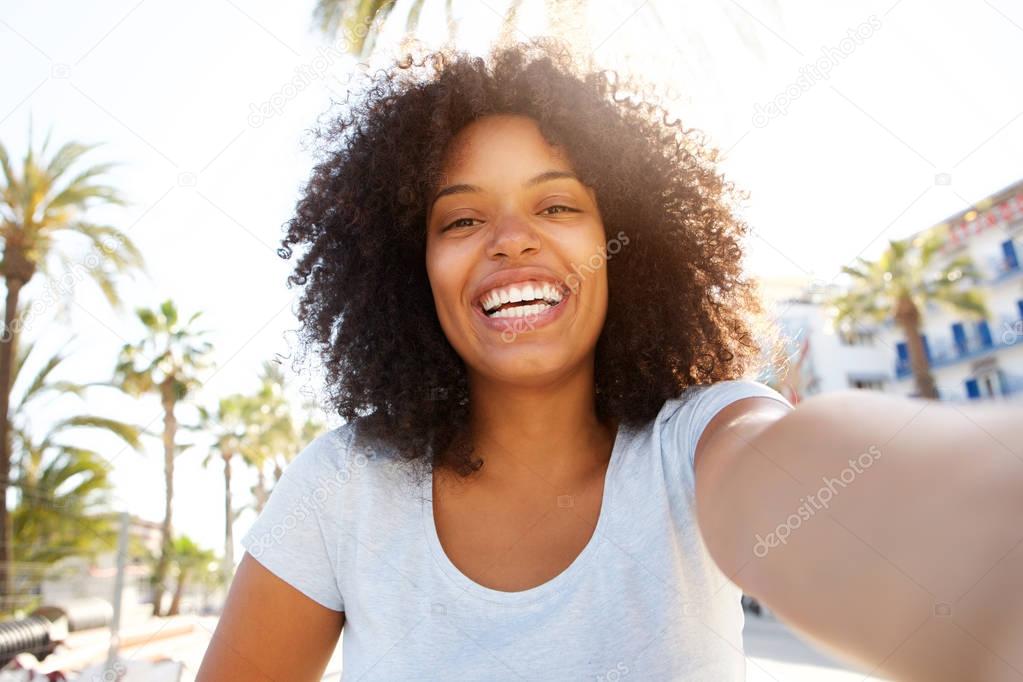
[[525, 367]]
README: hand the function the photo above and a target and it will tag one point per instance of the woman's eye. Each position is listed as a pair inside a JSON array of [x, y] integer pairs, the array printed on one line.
[[567, 208], [460, 220]]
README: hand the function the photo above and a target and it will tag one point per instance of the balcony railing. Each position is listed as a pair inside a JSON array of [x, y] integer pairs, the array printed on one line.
[[945, 352], [1003, 270]]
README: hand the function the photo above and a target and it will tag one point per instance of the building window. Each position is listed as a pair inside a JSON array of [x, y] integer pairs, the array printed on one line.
[[987, 383], [1010, 259], [856, 337], [984, 334]]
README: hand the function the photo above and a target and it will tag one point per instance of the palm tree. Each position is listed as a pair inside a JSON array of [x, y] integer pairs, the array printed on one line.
[[273, 429], [279, 438], [361, 21], [191, 562], [232, 424], [167, 361], [901, 283], [38, 204], [63, 489]]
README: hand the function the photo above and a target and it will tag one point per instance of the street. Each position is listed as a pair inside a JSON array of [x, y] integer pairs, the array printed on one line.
[[773, 653]]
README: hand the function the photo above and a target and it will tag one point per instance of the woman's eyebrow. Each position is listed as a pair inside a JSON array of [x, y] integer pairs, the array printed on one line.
[[546, 176]]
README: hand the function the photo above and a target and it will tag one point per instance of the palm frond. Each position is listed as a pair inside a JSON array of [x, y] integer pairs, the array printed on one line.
[[962, 300], [128, 433], [66, 156]]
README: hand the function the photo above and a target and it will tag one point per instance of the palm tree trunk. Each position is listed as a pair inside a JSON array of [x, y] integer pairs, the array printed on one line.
[[179, 590], [261, 492], [8, 348], [17, 271], [907, 316], [166, 549], [228, 518]]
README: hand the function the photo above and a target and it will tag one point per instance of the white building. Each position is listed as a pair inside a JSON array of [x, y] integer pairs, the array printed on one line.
[[817, 357], [976, 359], [971, 359]]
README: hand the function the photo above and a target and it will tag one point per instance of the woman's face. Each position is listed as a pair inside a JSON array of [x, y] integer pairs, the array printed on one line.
[[511, 221]]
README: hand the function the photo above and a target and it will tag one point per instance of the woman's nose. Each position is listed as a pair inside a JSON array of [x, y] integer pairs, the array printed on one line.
[[512, 235]]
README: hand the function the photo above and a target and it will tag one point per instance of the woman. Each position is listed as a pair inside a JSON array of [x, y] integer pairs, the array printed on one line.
[[528, 296]]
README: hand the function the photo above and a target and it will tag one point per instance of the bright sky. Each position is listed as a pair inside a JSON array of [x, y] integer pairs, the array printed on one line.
[[917, 90]]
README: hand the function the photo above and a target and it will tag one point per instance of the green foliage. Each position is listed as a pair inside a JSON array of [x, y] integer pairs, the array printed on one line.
[[41, 200], [907, 271], [63, 489], [169, 351]]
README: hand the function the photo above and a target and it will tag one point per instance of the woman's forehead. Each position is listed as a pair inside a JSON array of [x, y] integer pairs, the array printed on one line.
[[501, 142]]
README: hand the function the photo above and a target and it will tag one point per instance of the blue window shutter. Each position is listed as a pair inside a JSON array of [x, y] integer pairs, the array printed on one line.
[[1009, 251], [1019, 304], [927, 347], [959, 334], [984, 332], [901, 357], [972, 389]]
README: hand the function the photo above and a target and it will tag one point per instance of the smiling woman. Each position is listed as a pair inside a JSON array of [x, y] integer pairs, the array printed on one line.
[[440, 168], [592, 464]]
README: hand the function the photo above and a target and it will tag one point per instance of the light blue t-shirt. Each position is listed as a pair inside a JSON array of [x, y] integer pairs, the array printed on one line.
[[644, 600]]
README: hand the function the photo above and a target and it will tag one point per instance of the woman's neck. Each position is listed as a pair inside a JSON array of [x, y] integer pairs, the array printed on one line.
[[550, 430]]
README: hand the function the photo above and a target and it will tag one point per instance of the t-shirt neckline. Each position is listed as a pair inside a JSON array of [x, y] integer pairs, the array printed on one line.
[[544, 589]]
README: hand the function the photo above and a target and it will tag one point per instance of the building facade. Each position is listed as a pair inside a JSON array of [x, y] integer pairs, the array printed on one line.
[[971, 358], [976, 358], [815, 356]]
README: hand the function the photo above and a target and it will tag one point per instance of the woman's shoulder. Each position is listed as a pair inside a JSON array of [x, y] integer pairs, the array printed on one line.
[[682, 420], [724, 392]]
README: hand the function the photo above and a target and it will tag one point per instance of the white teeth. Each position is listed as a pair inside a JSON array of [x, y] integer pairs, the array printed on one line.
[[548, 293]]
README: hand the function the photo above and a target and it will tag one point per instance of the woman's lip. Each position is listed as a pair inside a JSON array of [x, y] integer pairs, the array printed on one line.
[[520, 325]]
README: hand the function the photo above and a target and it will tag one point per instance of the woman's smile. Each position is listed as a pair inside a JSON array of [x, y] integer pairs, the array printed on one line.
[[520, 300], [521, 317]]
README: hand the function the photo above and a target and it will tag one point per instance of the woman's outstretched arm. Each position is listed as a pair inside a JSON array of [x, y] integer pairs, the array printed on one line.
[[888, 530], [269, 631]]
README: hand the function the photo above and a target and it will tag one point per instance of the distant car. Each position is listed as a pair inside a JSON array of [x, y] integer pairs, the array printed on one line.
[[752, 605]]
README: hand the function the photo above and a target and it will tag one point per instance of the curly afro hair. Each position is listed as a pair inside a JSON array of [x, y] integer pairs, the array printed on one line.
[[679, 311]]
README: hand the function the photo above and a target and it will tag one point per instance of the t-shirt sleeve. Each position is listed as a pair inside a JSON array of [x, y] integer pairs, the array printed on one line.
[[688, 416], [290, 536]]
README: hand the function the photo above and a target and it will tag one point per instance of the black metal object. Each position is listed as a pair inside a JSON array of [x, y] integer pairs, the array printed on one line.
[[31, 635]]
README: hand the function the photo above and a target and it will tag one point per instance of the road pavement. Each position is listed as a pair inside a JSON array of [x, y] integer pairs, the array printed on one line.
[[773, 654]]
